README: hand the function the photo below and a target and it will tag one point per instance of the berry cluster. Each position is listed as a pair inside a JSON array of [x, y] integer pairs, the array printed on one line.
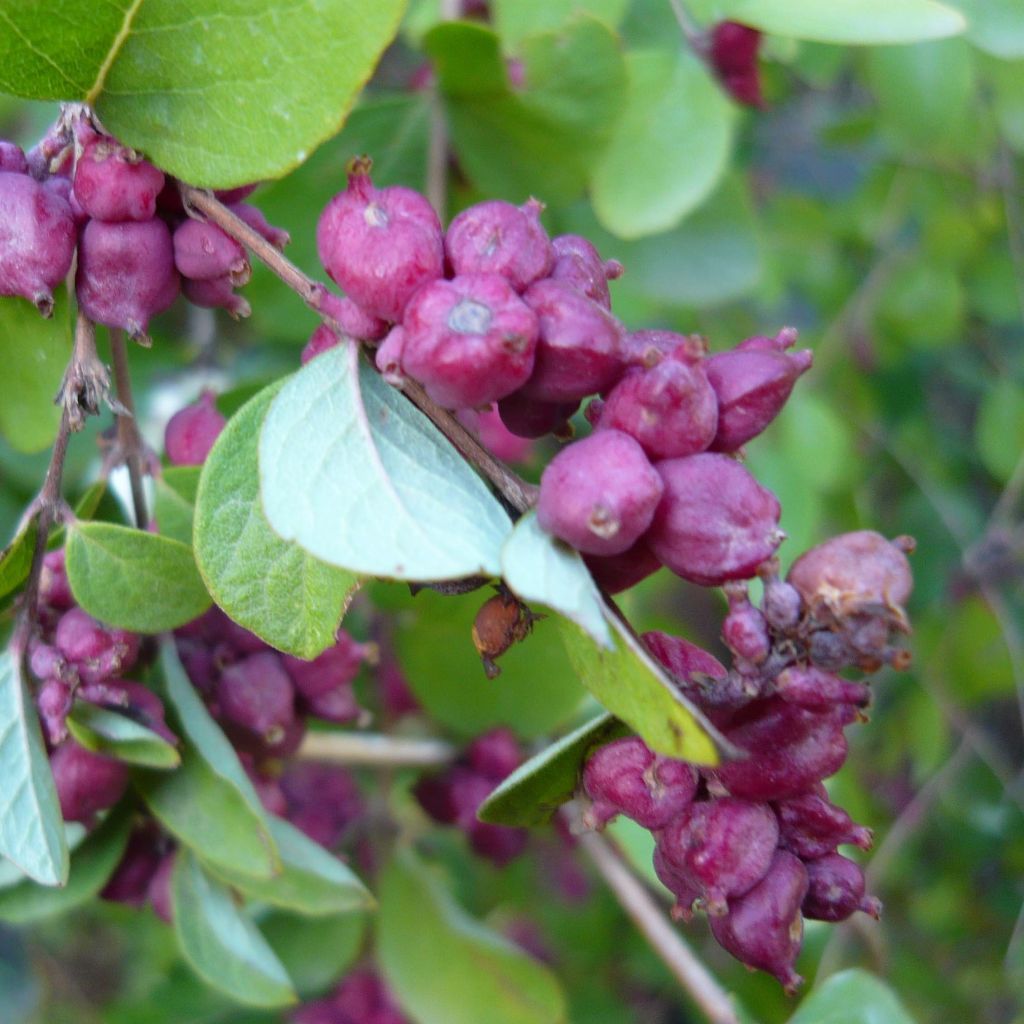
[[754, 841], [80, 190], [362, 997]]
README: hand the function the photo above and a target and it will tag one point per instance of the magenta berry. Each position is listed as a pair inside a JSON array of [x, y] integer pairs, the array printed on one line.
[[599, 494], [96, 652], [744, 629], [715, 522], [217, 293], [12, 158], [323, 800], [615, 573], [87, 783], [733, 57], [257, 695], [380, 245], [54, 588], [679, 883], [469, 341], [495, 237], [812, 687], [37, 240], [811, 826], [254, 217], [487, 425], [836, 890], [389, 357], [682, 659], [126, 273], [579, 265], [526, 417], [782, 605], [113, 183], [647, 348], [202, 252], [54, 702], [495, 755], [337, 666], [192, 431], [322, 339], [129, 884], [159, 891]]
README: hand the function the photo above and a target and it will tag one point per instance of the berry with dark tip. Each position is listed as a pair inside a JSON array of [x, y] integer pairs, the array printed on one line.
[[192, 431], [114, 183]]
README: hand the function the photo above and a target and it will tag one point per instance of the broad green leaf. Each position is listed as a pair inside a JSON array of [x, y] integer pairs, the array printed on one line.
[[315, 951], [536, 789], [271, 586], [311, 881], [74, 834], [995, 26], [537, 567], [446, 968], [209, 802], [92, 864], [16, 559], [175, 499], [117, 735], [218, 93], [633, 687], [541, 139], [850, 21], [33, 353], [669, 149], [514, 20], [85, 508], [220, 943], [999, 428], [1006, 79], [133, 579], [31, 828], [851, 997], [377, 488]]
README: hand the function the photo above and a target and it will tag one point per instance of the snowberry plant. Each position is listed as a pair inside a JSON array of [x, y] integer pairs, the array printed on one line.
[[217, 709]]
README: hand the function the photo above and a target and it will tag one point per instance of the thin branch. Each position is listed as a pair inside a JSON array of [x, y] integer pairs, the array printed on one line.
[[690, 29], [127, 428], [517, 492], [375, 750]]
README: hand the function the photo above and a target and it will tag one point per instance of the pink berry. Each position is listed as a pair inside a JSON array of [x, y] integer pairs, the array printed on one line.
[[488, 427], [113, 183], [12, 158], [95, 651], [615, 573], [715, 522], [87, 783], [527, 417], [380, 245], [812, 687], [192, 431], [353, 320], [254, 217], [495, 755], [54, 588], [256, 695], [202, 252], [744, 629], [836, 890], [495, 237], [53, 699], [679, 883], [217, 293], [388, 357], [647, 348], [579, 265], [682, 659], [599, 494], [322, 339], [733, 57], [37, 240], [811, 826]]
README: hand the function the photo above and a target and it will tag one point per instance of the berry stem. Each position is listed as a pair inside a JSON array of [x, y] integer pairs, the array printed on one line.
[[691, 31], [518, 494], [375, 750], [127, 429]]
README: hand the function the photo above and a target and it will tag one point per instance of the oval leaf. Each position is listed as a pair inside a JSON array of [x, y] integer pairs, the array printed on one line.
[[537, 567], [31, 828], [852, 997], [174, 502], [315, 951], [363, 480], [536, 789], [16, 559], [274, 588], [133, 579], [220, 943], [116, 735], [446, 968], [218, 95], [850, 21]]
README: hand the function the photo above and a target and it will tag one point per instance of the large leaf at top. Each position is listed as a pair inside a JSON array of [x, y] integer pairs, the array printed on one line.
[[33, 353], [669, 148], [541, 139], [633, 687], [850, 21], [852, 997], [363, 480], [446, 968], [218, 92], [273, 587], [31, 828]]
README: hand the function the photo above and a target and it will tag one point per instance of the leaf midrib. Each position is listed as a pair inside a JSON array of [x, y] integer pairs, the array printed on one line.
[[115, 48]]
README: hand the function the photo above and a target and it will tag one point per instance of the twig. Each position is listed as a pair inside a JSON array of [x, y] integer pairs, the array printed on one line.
[[127, 428], [691, 31], [376, 750], [517, 492], [664, 939], [86, 382]]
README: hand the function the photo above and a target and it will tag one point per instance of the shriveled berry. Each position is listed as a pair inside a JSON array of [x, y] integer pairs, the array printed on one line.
[[599, 494], [203, 251], [836, 890], [733, 57], [257, 695], [37, 240], [527, 417], [579, 265], [469, 341], [87, 783], [126, 273], [114, 183], [501, 622], [615, 573], [715, 522], [217, 293], [380, 245], [95, 651], [811, 826], [192, 431]]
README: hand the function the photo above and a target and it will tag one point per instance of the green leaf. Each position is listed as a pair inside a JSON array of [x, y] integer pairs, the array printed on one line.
[[85, 508], [850, 21], [851, 997], [995, 26], [536, 789], [92, 864], [133, 579], [315, 951], [217, 94], [537, 567], [16, 559], [209, 802], [999, 427], [116, 735], [33, 353], [445, 968], [271, 586], [175, 499], [544, 138], [633, 687], [515, 20], [377, 489], [1006, 80], [312, 881], [220, 943], [669, 149], [31, 828]]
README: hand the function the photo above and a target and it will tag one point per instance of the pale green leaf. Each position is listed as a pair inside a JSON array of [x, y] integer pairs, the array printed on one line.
[[852, 997], [174, 503], [16, 559], [995, 26], [116, 735], [515, 20]]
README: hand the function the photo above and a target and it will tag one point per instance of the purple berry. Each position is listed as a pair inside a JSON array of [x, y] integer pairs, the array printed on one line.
[[836, 889], [468, 341], [495, 755], [526, 417], [683, 660], [159, 891], [495, 237], [782, 605], [192, 431], [615, 573], [715, 522], [812, 687], [129, 884], [37, 240], [647, 348], [54, 702], [323, 800], [744, 629], [202, 252], [579, 352], [87, 783], [337, 666], [379, 245], [126, 273], [113, 183], [217, 293], [256, 695], [679, 883], [54, 588], [253, 216], [579, 265], [599, 494], [95, 651], [811, 826], [12, 158]]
